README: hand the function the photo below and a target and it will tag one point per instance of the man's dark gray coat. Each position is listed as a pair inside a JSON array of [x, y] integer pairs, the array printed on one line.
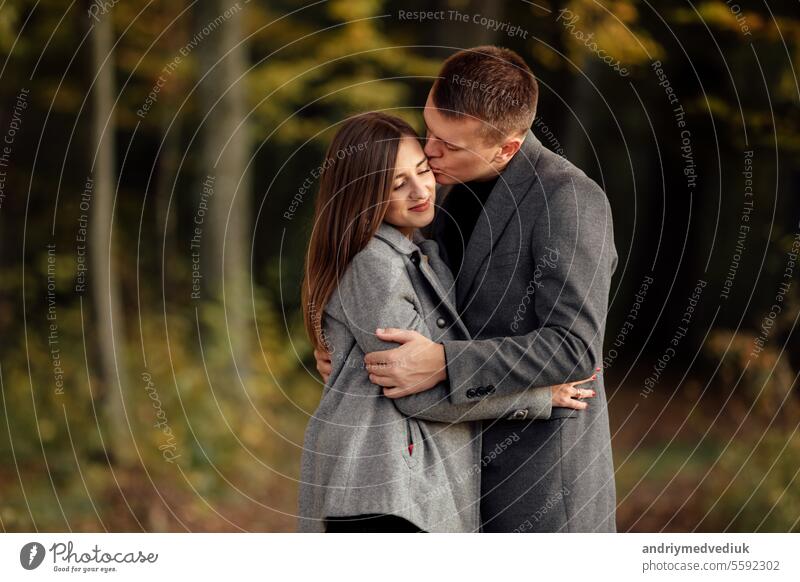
[[533, 293]]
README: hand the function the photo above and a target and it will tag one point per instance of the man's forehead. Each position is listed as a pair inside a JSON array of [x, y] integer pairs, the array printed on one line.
[[449, 129]]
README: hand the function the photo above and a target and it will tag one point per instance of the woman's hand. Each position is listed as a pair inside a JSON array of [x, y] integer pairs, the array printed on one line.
[[570, 395], [324, 366]]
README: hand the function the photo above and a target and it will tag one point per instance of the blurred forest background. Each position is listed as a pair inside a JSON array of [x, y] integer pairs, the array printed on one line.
[[152, 150]]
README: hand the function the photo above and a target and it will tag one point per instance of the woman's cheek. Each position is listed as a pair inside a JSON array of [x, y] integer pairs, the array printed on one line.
[[396, 213], [392, 211]]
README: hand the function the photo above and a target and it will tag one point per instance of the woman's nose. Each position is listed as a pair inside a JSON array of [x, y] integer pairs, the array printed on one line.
[[418, 189]]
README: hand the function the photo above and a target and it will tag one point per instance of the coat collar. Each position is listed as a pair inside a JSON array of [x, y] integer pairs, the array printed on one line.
[[402, 244], [396, 239], [502, 204]]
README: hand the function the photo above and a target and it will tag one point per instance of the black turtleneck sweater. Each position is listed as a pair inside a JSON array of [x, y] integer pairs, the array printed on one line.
[[462, 208]]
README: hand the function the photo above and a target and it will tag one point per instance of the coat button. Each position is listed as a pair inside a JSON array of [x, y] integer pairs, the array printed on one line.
[[521, 414], [471, 393], [415, 259], [490, 389], [441, 322]]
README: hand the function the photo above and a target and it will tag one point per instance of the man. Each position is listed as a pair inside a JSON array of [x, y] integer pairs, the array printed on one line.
[[529, 238]]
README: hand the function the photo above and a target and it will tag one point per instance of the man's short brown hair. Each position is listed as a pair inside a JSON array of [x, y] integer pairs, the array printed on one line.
[[492, 84]]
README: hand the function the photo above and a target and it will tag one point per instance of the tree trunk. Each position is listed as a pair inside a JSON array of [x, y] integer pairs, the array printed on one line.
[[105, 285], [225, 153], [168, 163]]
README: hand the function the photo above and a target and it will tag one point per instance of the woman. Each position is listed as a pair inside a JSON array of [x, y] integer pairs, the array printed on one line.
[[371, 463]]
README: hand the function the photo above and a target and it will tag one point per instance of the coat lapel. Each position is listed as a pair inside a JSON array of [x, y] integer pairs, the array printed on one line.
[[502, 204], [439, 277], [434, 272]]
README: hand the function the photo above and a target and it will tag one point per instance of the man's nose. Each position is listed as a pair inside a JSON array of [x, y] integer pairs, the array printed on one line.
[[431, 148]]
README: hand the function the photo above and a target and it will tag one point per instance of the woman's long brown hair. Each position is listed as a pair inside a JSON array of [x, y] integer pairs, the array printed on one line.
[[352, 201]]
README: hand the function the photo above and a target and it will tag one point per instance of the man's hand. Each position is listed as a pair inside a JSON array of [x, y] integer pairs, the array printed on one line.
[[417, 365], [324, 366]]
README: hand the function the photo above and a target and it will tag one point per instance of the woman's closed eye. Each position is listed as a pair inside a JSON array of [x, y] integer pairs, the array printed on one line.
[[419, 173]]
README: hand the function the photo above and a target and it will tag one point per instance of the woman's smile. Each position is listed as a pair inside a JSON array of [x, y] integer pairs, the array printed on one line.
[[424, 206]]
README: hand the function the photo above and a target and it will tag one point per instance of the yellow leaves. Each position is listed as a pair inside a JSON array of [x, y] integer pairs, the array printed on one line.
[[8, 22], [252, 434], [58, 267], [351, 38], [545, 56], [717, 14], [718, 107], [67, 98], [629, 45], [788, 28], [352, 9], [364, 93], [289, 78], [592, 30], [337, 72], [47, 429], [624, 10]]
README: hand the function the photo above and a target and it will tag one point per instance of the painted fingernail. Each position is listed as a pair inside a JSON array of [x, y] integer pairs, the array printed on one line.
[[594, 377], [594, 393], [597, 369]]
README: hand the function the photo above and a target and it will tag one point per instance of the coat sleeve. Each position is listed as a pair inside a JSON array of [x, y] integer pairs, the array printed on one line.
[[571, 301], [435, 405], [376, 291]]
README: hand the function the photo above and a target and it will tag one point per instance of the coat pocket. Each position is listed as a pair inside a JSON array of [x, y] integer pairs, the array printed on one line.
[[411, 447], [564, 412]]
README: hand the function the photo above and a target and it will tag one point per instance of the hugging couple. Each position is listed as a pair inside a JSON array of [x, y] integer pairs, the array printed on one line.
[[456, 290]]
